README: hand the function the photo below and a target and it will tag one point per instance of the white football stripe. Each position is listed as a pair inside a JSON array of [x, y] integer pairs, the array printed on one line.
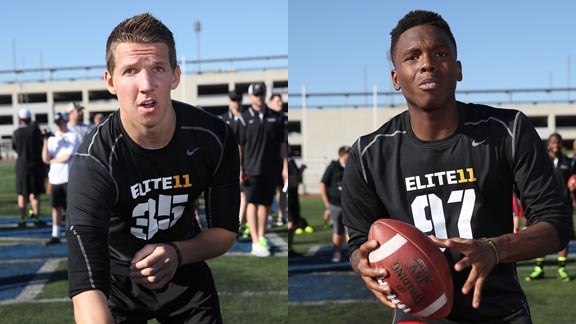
[[384, 251], [434, 307]]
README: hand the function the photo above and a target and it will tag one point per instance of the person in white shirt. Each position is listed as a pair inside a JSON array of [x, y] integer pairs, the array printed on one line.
[[57, 152]]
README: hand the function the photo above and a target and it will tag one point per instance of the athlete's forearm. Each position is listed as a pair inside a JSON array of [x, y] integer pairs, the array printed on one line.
[[61, 159], [535, 241], [211, 243], [45, 154], [91, 307], [324, 194]]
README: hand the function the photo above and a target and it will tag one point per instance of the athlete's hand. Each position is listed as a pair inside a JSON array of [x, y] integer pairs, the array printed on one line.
[[476, 254], [326, 215], [154, 265], [373, 278]]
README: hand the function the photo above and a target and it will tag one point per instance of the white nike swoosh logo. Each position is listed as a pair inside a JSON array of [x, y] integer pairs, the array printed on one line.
[[189, 153], [474, 143]]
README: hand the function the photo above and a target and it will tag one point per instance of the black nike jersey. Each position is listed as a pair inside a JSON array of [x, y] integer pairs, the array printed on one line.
[[27, 142], [261, 138], [332, 178], [564, 167], [122, 196], [460, 186], [233, 121]]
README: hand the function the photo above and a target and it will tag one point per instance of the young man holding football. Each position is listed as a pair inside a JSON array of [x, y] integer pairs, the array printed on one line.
[[448, 168]]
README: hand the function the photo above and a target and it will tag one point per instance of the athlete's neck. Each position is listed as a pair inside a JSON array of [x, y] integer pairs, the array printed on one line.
[[260, 109], [435, 124], [553, 154], [152, 137]]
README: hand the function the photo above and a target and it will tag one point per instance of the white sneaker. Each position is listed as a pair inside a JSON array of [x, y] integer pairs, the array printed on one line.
[[336, 257], [259, 251]]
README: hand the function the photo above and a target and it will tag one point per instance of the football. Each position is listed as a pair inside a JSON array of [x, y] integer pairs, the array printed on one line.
[[572, 183], [419, 274]]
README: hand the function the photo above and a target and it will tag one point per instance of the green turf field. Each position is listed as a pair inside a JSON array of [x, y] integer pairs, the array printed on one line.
[[252, 290], [8, 200], [550, 299]]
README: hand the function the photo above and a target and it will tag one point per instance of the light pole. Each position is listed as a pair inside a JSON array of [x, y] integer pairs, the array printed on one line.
[[197, 29]]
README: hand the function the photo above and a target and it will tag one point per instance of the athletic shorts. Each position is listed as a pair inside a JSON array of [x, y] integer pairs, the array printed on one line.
[[187, 298], [30, 182], [58, 195], [336, 217], [293, 205], [260, 189]]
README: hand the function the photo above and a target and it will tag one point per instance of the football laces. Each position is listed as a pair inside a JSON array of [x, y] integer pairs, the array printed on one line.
[[393, 298]]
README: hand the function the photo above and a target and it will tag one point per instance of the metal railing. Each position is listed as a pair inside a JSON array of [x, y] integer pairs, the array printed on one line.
[[533, 96], [217, 65]]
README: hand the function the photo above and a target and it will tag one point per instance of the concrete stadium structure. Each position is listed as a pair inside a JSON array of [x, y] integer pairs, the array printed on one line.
[[207, 89], [317, 133]]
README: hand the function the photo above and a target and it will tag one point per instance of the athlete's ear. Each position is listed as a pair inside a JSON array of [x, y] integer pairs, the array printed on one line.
[[395, 82], [459, 66], [109, 82], [175, 77]]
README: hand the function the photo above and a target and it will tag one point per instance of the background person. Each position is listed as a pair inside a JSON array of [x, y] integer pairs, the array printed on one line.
[[294, 179], [57, 152], [275, 103], [30, 171], [98, 119], [263, 154], [76, 120], [233, 117], [564, 167], [331, 192]]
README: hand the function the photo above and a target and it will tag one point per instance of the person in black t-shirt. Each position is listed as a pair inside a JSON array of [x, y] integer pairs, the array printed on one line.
[[331, 191], [294, 217], [564, 167], [275, 103], [233, 117], [234, 113], [30, 170], [263, 142], [135, 248], [449, 168]]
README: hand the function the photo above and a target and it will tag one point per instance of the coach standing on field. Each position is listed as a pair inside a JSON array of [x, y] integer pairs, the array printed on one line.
[[263, 143], [136, 251], [30, 170]]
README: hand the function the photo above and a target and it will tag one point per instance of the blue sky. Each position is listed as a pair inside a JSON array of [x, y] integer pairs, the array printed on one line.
[[342, 46], [74, 33], [333, 46]]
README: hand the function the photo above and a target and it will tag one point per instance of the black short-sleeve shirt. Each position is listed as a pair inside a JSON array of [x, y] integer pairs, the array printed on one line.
[[332, 178], [460, 186], [231, 120], [261, 138], [122, 196], [27, 142]]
